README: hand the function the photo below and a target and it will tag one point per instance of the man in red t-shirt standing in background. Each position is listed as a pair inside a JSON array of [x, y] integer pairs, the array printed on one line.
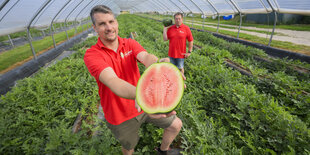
[[113, 63], [177, 35]]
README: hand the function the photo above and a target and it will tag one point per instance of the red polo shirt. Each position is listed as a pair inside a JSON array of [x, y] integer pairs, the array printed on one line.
[[124, 63], [177, 40]]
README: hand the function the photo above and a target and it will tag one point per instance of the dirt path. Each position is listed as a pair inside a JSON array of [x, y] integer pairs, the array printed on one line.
[[296, 37]]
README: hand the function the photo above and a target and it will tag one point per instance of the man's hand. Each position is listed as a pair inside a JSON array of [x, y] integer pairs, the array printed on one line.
[[186, 54], [137, 106], [164, 60], [157, 116]]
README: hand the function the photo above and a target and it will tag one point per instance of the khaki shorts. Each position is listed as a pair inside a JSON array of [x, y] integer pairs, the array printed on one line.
[[127, 132]]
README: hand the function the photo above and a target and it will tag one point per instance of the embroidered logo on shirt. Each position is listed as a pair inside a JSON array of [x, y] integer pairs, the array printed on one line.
[[181, 31], [126, 54]]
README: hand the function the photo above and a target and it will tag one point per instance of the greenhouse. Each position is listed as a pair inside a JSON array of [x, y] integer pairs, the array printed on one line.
[[245, 70]]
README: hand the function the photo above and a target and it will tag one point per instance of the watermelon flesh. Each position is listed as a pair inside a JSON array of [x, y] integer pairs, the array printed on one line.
[[160, 88]]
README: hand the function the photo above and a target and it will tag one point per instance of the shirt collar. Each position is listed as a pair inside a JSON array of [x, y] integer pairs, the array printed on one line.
[[179, 26], [120, 43]]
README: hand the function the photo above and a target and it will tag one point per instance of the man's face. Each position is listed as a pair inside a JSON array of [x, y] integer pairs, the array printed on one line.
[[106, 26], [178, 20]]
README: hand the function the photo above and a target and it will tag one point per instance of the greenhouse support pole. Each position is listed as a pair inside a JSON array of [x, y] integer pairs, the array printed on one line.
[[43, 33], [3, 4], [240, 14], [274, 27], [200, 11], [8, 10], [190, 11], [11, 41], [51, 25], [218, 15], [158, 7], [164, 5], [179, 9], [177, 6], [275, 21], [29, 24], [68, 16], [159, 4], [79, 14], [218, 23], [82, 11]]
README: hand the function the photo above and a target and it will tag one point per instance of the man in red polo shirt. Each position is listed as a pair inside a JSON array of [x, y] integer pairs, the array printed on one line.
[[113, 63], [177, 35]]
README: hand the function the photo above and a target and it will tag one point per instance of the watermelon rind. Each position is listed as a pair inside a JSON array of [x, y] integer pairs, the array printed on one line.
[[180, 81], [167, 22]]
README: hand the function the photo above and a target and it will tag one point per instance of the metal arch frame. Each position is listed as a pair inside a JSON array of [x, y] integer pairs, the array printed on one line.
[[163, 6], [157, 6], [9, 10], [98, 2], [240, 14], [218, 14], [275, 21], [231, 6], [177, 6], [136, 9], [186, 6], [80, 13], [200, 11], [66, 4], [3, 4], [147, 3], [41, 13], [263, 5], [68, 16], [74, 2], [30, 22]]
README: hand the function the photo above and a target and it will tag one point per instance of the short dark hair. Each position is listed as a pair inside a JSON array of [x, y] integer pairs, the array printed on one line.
[[178, 13], [99, 8]]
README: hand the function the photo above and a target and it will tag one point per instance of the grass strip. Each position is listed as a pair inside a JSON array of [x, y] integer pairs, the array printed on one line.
[[18, 55]]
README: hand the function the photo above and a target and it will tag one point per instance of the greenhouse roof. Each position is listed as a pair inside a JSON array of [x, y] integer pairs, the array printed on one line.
[[18, 15]]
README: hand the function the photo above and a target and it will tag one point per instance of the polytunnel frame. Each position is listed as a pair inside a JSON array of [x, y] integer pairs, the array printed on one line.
[[203, 20], [54, 19], [231, 3], [240, 15], [29, 24], [45, 5], [97, 2], [81, 12], [159, 2], [218, 15], [4, 4], [159, 6], [68, 16], [275, 21], [177, 6], [190, 11]]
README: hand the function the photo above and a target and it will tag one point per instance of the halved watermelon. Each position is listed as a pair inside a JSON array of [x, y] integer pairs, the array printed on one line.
[[160, 88]]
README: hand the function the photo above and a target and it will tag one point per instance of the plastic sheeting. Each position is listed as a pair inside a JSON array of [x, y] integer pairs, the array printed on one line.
[[225, 7], [16, 15]]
